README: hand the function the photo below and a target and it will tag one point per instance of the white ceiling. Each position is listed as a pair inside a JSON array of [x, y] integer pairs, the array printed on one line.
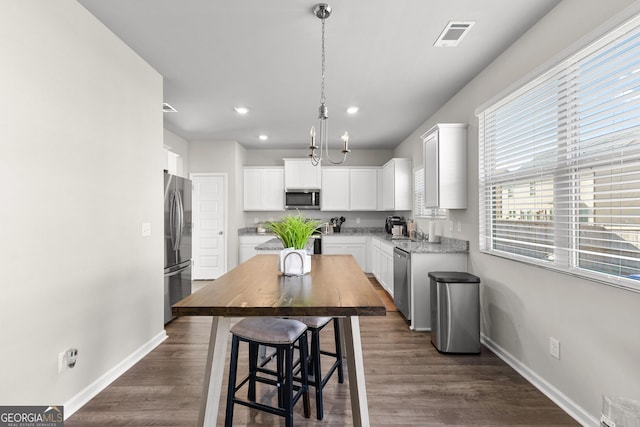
[[215, 55]]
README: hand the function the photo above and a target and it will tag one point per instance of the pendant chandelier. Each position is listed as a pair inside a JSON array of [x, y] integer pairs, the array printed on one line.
[[323, 11]]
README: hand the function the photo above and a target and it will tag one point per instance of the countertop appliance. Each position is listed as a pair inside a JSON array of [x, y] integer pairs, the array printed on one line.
[[302, 199], [177, 241], [402, 281], [395, 225]]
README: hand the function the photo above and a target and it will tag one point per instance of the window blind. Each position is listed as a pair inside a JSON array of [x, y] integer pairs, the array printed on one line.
[[559, 165]]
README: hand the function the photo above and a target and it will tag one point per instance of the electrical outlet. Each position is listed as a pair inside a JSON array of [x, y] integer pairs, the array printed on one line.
[[554, 347], [72, 357], [67, 359], [357, 220]]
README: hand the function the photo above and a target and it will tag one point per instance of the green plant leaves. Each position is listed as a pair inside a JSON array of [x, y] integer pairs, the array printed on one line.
[[293, 230]]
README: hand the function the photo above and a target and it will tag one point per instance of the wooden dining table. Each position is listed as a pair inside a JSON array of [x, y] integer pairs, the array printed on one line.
[[336, 287]]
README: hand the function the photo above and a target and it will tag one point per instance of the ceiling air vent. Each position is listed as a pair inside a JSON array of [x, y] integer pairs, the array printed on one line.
[[453, 33], [166, 108]]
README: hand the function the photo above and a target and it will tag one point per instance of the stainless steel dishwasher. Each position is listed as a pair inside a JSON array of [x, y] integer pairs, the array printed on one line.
[[402, 281]]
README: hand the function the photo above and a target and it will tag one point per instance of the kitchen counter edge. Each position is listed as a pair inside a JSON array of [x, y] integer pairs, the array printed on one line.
[[446, 245]]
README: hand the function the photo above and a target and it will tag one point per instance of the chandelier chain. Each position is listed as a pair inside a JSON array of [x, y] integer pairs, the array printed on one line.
[[322, 97], [323, 11]]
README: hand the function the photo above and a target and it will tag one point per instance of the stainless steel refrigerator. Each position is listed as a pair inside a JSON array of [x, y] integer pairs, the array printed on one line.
[[177, 241]]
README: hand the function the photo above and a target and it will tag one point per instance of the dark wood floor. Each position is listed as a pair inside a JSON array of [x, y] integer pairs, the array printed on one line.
[[408, 384]]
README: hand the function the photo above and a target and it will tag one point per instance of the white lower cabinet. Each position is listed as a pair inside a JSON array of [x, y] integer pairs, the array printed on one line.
[[421, 265], [349, 245], [382, 263], [247, 244], [375, 258], [386, 266]]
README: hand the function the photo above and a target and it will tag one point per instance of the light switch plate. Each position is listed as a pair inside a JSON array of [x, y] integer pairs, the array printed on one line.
[[145, 229], [554, 347]]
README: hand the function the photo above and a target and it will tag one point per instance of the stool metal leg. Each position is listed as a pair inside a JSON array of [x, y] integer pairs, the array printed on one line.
[[338, 339], [287, 386], [231, 389], [280, 361], [317, 371], [253, 366], [304, 371]]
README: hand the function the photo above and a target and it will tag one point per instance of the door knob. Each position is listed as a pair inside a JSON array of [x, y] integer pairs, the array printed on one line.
[[220, 232]]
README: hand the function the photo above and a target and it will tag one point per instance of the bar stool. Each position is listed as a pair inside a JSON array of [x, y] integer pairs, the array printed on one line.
[[283, 335], [315, 325]]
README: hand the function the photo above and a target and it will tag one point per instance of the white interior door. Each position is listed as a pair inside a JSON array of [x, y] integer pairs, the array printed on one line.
[[209, 226]]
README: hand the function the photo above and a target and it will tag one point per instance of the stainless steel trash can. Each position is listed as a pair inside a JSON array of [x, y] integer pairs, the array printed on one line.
[[455, 312]]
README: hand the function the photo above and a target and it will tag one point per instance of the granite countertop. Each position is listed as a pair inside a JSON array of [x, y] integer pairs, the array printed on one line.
[[275, 244], [446, 245], [364, 231]]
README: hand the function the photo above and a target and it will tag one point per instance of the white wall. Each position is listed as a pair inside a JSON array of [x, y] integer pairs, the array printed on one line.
[[522, 306], [81, 166]]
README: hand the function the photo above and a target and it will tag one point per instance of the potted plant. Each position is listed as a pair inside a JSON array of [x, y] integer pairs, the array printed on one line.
[[294, 232]]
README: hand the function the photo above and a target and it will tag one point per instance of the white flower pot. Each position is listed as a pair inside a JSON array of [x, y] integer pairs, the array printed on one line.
[[294, 262]]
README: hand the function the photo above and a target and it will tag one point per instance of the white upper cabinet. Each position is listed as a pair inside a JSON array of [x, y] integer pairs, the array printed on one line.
[[301, 174], [396, 185], [263, 189], [364, 189], [335, 189], [445, 166], [349, 189]]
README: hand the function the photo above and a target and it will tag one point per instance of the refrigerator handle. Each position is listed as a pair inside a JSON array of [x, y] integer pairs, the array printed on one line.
[[176, 227], [180, 220], [172, 219], [178, 271]]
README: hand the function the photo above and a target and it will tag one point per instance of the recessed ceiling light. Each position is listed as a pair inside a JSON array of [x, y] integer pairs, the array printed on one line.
[[353, 110], [263, 137], [241, 110]]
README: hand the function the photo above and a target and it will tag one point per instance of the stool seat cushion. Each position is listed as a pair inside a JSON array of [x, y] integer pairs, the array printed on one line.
[[313, 322], [269, 330]]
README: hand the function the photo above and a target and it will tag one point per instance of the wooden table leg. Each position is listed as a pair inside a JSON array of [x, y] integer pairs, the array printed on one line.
[[214, 372], [355, 367]]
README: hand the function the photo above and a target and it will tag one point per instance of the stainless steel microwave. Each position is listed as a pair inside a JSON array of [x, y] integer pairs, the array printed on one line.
[[302, 199]]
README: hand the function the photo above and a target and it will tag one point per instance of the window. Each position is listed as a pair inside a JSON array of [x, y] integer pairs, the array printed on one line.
[[419, 211], [560, 165]]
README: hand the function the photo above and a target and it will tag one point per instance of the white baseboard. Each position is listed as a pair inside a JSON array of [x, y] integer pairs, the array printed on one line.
[[559, 398], [80, 399]]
